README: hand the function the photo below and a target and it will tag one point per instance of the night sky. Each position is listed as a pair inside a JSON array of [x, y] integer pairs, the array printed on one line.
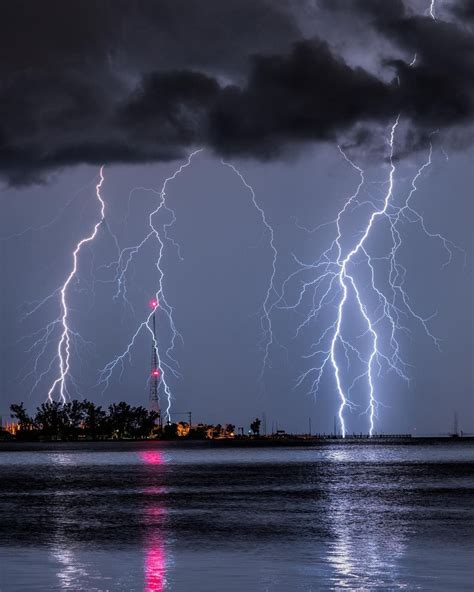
[[273, 88]]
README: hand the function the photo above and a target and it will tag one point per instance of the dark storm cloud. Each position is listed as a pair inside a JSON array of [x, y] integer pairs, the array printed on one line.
[[171, 106], [464, 9], [437, 91], [140, 34], [73, 75], [91, 82], [308, 95], [374, 8]]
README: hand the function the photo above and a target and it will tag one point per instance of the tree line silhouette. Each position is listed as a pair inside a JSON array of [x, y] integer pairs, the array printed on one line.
[[75, 420], [79, 420]]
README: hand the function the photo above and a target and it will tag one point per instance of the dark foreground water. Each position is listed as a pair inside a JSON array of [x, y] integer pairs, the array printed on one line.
[[151, 517]]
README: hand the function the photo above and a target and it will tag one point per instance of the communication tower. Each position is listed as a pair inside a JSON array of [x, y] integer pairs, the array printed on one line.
[[154, 401]]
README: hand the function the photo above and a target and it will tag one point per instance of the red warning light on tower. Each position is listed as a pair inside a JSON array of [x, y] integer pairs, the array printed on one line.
[[154, 303], [155, 372]]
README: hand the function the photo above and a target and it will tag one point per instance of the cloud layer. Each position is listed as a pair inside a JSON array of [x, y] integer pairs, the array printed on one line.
[[93, 82]]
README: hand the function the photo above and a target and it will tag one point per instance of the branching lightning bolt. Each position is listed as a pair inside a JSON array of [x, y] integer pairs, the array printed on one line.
[[67, 337], [64, 344], [271, 292], [339, 280], [166, 362], [50, 223]]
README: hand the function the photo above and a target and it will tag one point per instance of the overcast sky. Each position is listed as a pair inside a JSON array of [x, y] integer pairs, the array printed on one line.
[[137, 86]]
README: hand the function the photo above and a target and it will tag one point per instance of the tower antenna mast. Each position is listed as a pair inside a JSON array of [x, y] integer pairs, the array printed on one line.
[[154, 401]]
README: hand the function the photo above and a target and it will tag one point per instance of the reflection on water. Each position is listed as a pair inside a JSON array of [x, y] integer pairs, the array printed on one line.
[[71, 572], [151, 518], [363, 556], [154, 512], [63, 458], [155, 566], [151, 457]]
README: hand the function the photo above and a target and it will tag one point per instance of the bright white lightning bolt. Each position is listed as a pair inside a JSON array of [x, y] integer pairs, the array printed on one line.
[[64, 344], [338, 282], [346, 281], [432, 10], [160, 303], [43, 337], [68, 339], [265, 319]]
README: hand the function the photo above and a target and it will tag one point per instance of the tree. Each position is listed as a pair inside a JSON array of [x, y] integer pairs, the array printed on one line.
[[201, 431], [255, 427], [52, 418], [19, 413], [143, 422], [95, 420], [230, 429], [120, 418], [217, 430], [74, 417], [170, 431]]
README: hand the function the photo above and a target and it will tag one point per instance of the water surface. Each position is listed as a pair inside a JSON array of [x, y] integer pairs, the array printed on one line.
[[152, 517]]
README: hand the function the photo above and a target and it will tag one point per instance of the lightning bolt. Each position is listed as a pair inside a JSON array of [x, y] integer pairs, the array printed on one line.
[[267, 338], [166, 362], [67, 336], [340, 281], [52, 222], [432, 9], [64, 345]]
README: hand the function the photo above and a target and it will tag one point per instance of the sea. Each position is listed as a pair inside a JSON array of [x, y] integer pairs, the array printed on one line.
[[192, 517]]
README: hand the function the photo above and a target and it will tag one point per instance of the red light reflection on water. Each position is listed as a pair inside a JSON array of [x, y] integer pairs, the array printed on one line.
[[151, 457], [155, 553], [155, 567]]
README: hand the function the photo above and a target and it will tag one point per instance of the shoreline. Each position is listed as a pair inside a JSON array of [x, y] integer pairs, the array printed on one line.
[[301, 442]]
